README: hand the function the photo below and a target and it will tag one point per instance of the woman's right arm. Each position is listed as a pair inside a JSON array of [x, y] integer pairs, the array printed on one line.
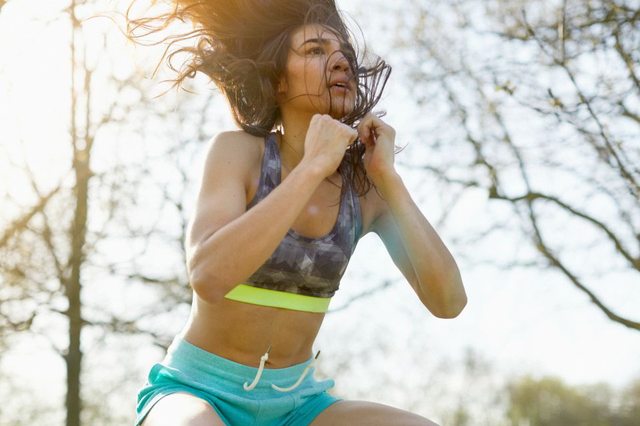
[[226, 243]]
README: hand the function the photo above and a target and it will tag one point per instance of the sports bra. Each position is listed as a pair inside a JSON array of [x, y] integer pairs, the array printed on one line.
[[301, 265]]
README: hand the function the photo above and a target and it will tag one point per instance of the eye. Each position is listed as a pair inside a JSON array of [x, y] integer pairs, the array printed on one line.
[[315, 50]]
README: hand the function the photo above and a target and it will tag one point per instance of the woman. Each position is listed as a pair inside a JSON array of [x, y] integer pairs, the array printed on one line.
[[278, 215]]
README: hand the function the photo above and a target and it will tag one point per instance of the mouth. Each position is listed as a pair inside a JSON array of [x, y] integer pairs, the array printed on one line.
[[340, 87]]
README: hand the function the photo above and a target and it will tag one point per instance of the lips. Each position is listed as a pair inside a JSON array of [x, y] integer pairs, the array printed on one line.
[[342, 82]]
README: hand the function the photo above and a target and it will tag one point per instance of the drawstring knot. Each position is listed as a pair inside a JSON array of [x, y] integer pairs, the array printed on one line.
[[264, 359]]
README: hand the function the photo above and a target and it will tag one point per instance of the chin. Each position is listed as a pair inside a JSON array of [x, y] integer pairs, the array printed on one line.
[[338, 115], [340, 111]]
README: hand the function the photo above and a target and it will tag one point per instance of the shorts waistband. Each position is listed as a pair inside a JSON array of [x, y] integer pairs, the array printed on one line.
[[195, 361]]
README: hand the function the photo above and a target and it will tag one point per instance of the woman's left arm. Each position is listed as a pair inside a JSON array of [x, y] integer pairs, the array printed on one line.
[[413, 244]]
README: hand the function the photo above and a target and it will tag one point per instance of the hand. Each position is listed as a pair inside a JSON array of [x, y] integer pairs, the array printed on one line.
[[326, 141], [379, 141]]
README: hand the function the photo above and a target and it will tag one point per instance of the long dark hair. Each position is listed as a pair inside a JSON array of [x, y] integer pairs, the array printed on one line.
[[242, 45]]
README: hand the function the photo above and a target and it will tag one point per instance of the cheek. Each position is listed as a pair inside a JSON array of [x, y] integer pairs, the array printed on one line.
[[308, 76]]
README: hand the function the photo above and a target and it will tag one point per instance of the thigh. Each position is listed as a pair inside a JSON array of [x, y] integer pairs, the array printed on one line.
[[368, 413], [182, 409]]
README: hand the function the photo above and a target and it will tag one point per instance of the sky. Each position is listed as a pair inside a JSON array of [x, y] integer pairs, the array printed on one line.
[[521, 321]]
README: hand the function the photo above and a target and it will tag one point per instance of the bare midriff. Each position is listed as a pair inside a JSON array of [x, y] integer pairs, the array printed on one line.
[[243, 332]]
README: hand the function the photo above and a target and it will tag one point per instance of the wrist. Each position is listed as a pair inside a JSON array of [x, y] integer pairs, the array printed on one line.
[[310, 170], [384, 175], [386, 181]]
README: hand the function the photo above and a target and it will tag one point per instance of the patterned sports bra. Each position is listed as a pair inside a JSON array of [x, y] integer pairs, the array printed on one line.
[[302, 265]]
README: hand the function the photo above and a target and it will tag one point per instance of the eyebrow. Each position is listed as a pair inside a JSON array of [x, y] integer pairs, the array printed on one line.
[[322, 41]]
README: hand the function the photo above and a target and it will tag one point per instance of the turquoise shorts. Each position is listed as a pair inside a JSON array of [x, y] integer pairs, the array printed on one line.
[[219, 381]]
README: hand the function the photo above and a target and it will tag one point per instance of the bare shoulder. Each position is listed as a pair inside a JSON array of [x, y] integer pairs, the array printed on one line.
[[236, 142], [237, 150], [239, 136]]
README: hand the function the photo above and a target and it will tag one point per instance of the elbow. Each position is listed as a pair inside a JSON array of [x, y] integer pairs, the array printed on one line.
[[451, 309], [207, 285], [209, 280], [449, 301], [204, 279]]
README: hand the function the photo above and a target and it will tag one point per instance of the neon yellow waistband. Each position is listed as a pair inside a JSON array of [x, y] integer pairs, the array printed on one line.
[[278, 299]]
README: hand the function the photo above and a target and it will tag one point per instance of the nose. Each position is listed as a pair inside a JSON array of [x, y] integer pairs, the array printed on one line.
[[339, 62]]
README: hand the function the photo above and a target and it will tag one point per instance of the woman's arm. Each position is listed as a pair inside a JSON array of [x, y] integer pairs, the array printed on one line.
[[226, 243], [413, 244], [418, 251]]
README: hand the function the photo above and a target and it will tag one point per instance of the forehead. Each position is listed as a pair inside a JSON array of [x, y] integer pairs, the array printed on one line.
[[310, 31]]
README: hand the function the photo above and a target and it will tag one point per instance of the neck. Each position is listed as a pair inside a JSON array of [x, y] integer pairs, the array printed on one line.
[[295, 125]]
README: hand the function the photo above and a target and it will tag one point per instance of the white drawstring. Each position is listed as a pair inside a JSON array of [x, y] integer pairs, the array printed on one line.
[[256, 379], [300, 379]]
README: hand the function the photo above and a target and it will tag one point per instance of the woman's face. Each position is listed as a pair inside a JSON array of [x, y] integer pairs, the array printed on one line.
[[318, 77]]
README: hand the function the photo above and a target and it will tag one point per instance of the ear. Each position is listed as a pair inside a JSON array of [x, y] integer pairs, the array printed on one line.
[[282, 86]]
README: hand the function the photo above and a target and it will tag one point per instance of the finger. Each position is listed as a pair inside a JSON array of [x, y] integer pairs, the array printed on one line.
[[377, 123], [350, 132], [370, 126], [365, 122], [379, 128], [364, 130], [353, 135]]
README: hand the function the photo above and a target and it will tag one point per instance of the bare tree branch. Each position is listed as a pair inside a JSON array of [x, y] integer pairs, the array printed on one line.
[[530, 197], [610, 149], [555, 261], [480, 124], [20, 224]]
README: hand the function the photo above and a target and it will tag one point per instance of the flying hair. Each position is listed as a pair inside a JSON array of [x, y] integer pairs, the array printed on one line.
[[242, 46]]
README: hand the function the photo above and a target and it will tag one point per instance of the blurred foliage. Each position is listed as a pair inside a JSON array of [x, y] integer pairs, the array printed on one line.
[[551, 402]]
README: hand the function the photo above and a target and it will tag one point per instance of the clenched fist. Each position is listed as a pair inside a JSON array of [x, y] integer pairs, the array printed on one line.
[[326, 142]]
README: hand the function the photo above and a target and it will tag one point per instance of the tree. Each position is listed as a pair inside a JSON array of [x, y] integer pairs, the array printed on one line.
[[543, 121], [629, 405], [76, 240], [549, 401]]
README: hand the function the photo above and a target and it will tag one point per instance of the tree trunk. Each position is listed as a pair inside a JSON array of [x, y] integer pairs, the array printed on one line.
[[81, 151]]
